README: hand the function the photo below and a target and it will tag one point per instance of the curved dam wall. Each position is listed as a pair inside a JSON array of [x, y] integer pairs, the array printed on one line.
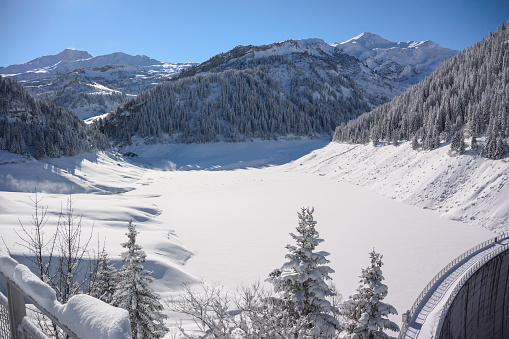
[[481, 308]]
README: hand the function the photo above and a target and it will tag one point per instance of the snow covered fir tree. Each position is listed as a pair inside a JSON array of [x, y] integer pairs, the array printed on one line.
[[467, 96], [105, 278], [134, 294], [364, 312], [301, 285]]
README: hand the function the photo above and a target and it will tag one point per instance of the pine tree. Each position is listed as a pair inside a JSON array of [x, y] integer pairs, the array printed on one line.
[[365, 313], [458, 143], [415, 143], [301, 284], [473, 144], [495, 147], [105, 279], [134, 294]]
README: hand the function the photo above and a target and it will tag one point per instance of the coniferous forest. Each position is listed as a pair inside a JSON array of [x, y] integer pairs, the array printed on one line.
[[36, 127], [466, 97], [241, 98]]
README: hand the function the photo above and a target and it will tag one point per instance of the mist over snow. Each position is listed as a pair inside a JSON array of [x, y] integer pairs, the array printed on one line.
[[216, 217]]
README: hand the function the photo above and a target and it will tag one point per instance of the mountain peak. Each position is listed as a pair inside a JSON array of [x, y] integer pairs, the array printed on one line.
[[310, 42], [73, 54], [311, 46], [368, 40], [367, 36]]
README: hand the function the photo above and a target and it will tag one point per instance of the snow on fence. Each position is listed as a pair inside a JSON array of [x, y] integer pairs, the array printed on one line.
[[82, 316], [410, 313]]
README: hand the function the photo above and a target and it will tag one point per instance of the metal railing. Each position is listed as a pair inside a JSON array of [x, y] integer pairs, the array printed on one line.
[[5, 328], [462, 282], [439, 275]]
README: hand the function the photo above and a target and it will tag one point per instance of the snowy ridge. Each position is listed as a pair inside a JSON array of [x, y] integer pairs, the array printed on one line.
[[405, 62], [45, 61], [289, 48], [312, 46], [88, 85], [69, 60]]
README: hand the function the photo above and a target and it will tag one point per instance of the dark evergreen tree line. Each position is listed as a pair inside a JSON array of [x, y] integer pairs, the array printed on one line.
[[297, 94], [468, 93], [34, 126]]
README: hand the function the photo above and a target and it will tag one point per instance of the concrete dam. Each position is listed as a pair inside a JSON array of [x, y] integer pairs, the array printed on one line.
[[469, 298]]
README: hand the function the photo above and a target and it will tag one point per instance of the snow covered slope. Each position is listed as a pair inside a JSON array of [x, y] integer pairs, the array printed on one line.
[[90, 85], [404, 62], [465, 187], [232, 225]]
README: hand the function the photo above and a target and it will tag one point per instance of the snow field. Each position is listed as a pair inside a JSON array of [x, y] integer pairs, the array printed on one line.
[[231, 226]]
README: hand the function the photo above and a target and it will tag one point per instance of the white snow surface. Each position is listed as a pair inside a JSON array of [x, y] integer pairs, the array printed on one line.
[[465, 187], [223, 212]]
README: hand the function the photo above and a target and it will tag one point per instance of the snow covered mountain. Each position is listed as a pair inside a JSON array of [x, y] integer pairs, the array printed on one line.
[[465, 98], [290, 88], [90, 85], [38, 66], [404, 62], [295, 87]]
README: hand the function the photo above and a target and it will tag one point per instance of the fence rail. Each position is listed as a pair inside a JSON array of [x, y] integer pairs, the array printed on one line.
[[439, 275], [19, 324], [82, 316]]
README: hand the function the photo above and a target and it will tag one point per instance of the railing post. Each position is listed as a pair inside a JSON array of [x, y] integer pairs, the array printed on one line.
[[17, 310], [405, 318]]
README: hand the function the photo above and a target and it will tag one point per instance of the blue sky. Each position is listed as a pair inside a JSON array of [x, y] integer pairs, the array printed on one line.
[[195, 30]]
